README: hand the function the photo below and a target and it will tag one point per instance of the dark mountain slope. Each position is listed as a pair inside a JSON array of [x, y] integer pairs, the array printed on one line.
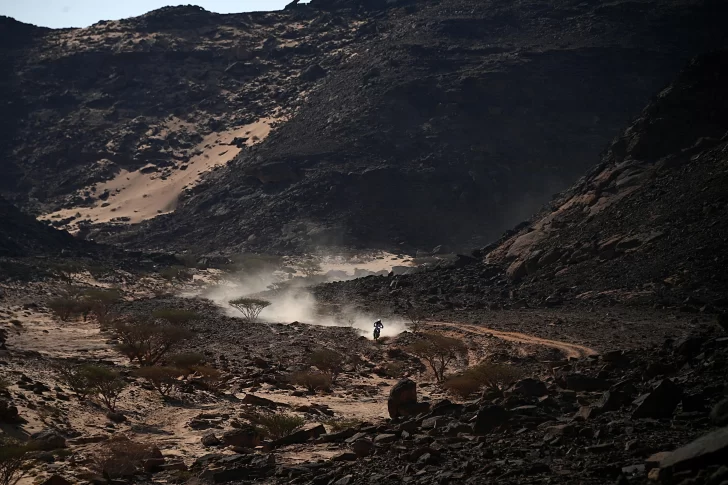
[[413, 125], [649, 224], [448, 123], [21, 235]]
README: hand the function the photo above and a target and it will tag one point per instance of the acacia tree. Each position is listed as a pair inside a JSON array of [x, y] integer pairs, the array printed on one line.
[[438, 351], [249, 307]]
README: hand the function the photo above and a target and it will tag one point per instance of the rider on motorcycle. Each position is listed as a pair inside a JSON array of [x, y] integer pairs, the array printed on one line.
[[378, 326]]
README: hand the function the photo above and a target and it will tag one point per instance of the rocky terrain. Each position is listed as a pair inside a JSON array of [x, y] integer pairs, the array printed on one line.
[[407, 126], [647, 225], [588, 344]]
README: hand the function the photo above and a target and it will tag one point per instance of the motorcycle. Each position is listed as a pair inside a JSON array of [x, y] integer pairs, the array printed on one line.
[[377, 331]]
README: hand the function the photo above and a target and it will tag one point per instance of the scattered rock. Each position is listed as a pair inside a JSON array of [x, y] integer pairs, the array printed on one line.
[[246, 437], [47, 440], [529, 388], [209, 439], [302, 435], [707, 450], [489, 418], [362, 447]]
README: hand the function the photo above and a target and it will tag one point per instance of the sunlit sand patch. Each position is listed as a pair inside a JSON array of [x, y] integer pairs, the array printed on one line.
[[146, 193]]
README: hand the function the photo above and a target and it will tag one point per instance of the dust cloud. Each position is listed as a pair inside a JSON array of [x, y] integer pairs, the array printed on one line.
[[292, 300]]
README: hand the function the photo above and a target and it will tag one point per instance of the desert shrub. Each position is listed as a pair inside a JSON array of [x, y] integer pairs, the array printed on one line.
[[483, 375], [121, 457], [175, 316], [277, 425], [340, 424], [309, 267], [147, 341], [66, 271], [492, 375], [462, 385], [249, 307], [76, 379], [106, 383], [163, 379], [211, 378], [415, 319], [101, 302], [12, 456], [438, 351], [96, 380], [313, 381], [328, 361], [63, 307], [176, 273], [185, 362]]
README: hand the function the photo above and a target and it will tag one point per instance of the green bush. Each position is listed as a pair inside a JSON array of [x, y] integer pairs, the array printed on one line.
[[249, 307]]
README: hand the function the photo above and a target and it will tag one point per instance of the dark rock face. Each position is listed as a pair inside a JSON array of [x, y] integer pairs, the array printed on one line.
[[20, 235], [412, 108]]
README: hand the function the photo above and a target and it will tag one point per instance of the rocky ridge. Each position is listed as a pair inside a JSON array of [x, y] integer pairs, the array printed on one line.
[[648, 225], [393, 113]]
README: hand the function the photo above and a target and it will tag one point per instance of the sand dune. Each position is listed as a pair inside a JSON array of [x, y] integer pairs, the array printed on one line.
[[148, 192]]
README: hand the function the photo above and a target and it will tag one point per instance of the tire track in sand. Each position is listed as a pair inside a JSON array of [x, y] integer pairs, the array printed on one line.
[[569, 349]]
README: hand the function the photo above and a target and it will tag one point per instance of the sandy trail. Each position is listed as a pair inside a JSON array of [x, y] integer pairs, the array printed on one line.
[[569, 349]]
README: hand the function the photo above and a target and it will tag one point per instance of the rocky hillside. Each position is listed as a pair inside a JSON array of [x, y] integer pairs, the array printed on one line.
[[20, 235], [648, 224], [411, 125]]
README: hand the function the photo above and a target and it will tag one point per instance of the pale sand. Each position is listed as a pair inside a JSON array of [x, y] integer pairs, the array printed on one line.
[[140, 196]]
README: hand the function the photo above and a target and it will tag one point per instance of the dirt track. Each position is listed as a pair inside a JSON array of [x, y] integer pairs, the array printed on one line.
[[569, 350]]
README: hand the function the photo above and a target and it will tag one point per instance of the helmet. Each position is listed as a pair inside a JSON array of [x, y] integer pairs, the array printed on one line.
[[378, 321]]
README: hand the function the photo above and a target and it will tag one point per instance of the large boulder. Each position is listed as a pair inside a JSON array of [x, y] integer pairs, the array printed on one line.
[[302, 435], [710, 449], [489, 418], [8, 412], [245, 437], [47, 440], [660, 403], [403, 400], [529, 388]]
